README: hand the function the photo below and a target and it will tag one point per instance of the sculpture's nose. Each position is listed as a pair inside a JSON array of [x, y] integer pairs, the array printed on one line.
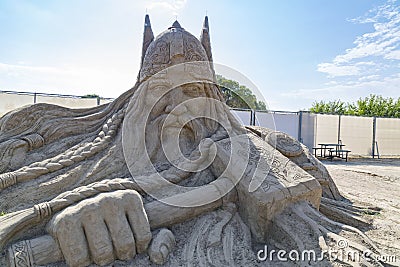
[[176, 106], [168, 109], [179, 110]]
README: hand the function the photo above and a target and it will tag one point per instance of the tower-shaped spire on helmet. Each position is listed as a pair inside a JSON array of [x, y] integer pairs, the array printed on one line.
[[205, 39], [148, 36]]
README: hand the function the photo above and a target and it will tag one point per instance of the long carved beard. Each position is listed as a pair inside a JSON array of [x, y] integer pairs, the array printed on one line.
[[189, 136], [144, 135]]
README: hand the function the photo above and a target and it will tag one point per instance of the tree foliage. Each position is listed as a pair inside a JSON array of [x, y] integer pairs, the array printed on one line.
[[239, 96], [371, 106], [90, 96]]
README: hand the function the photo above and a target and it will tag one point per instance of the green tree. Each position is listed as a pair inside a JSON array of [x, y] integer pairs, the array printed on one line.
[[372, 106], [90, 96], [239, 96], [332, 107]]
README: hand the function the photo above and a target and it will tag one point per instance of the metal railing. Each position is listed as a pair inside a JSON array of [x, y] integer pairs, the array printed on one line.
[[36, 94]]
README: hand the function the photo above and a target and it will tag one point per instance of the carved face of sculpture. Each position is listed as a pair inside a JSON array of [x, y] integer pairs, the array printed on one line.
[[173, 102], [176, 116]]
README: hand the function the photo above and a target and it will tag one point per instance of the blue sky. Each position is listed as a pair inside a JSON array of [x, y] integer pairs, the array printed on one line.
[[295, 51]]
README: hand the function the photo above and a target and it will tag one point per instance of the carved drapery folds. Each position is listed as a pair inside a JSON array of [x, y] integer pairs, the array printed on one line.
[[34, 140]]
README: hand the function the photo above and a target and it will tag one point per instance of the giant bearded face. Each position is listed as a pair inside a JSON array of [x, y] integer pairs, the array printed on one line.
[[176, 105]]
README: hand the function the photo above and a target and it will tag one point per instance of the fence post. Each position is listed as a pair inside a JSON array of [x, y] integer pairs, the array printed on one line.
[[34, 98], [98, 101], [339, 128], [373, 136], [300, 125], [252, 117]]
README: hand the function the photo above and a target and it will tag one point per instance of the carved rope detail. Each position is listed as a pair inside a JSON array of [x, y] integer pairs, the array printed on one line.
[[20, 254], [74, 196], [67, 158], [7, 179], [34, 140], [43, 210]]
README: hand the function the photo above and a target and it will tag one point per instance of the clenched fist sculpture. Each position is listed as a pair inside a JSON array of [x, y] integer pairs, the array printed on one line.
[[101, 229]]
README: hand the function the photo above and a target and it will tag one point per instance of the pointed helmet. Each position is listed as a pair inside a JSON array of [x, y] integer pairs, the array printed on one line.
[[172, 47]]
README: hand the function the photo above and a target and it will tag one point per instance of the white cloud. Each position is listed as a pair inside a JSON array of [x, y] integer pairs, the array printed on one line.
[[393, 55], [369, 78], [350, 91], [338, 70], [376, 46], [370, 66]]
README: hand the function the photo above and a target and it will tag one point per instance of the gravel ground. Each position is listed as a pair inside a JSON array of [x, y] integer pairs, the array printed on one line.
[[373, 182]]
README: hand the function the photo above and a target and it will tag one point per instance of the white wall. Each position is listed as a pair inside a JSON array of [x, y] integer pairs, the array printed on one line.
[[105, 101], [309, 129], [242, 116], [356, 134], [327, 129], [388, 136], [68, 102], [10, 102], [284, 122]]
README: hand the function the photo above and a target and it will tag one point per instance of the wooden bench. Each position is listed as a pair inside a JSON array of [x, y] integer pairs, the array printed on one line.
[[340, 153], [315, 149]]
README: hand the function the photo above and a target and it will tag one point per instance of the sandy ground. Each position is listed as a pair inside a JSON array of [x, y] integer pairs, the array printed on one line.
[[373, 182]]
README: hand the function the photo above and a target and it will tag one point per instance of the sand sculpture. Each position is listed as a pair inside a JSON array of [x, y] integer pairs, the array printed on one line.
[[163, 175]]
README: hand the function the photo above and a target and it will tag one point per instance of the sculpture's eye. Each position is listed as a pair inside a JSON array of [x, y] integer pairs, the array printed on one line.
[[191, 90], [160, 88]]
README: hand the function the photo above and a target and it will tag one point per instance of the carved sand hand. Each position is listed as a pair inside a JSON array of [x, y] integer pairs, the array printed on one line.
[[101, 229], [45, 249], [161, 246]]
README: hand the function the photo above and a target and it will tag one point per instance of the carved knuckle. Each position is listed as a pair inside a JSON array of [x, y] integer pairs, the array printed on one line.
[[103, 256], [142, 242], [110, 205], [145, 238], [58, 224], [125, 245], [133, 196], [89, 213], [132, 199], [78, 260]]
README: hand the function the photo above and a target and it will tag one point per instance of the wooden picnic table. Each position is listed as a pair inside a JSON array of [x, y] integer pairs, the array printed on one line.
[[325, 147], [334, 149]]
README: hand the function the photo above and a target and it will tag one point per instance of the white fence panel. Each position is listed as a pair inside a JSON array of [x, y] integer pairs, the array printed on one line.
[[10, 102], [284, 122], [242, 116], [327, 129], [265, 119], [308, 129], [356, 134], [68, 102], [105, 101], [388, 136]]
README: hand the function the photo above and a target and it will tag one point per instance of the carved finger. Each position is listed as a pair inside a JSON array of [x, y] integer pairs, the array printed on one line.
[[161, 246], [138, 220], [121, 234], [71, 238], [98, 239]]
